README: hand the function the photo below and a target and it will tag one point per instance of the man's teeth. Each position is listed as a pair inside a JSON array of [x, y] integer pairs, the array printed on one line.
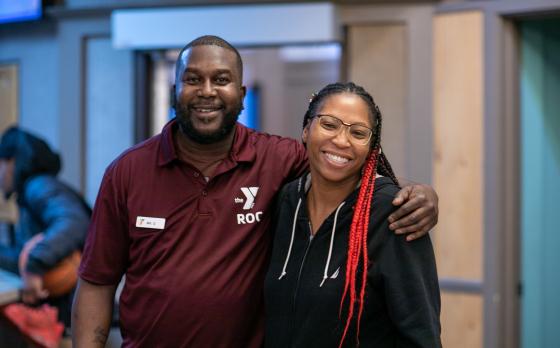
[[336, 158], [205, 110]]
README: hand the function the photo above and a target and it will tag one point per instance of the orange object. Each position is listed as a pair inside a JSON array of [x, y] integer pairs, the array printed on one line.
[[61, 279]]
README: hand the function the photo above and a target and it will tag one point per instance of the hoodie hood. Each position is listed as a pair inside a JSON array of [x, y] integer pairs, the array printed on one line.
[[32, 155]]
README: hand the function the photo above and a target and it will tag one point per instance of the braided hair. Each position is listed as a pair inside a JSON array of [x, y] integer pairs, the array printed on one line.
[[376, 162]]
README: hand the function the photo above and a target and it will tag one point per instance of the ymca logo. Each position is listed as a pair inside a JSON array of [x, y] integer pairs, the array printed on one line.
[[250, 195]]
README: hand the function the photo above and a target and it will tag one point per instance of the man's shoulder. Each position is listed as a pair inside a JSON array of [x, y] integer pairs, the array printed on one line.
[[263, 138], [275, 147], [138, 153]]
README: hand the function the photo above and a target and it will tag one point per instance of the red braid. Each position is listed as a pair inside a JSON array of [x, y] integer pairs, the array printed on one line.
[[357, 244]]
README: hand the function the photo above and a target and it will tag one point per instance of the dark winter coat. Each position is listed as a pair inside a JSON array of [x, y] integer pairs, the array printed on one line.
[[45, 205]]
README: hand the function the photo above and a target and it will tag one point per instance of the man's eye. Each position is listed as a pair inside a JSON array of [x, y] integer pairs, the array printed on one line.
[[192, 80], [222, 80]]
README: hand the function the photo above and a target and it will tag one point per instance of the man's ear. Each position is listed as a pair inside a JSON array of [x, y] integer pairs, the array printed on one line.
[[243, 90], [172, 96]]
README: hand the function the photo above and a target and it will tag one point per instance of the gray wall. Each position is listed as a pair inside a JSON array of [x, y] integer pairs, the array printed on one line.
[[76, 91], [35, 49], [108, 109]]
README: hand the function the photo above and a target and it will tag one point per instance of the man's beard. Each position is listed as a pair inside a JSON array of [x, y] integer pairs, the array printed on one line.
[[183, 115]]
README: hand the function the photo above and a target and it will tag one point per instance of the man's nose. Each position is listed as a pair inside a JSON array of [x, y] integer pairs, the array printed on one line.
[[207, 89]]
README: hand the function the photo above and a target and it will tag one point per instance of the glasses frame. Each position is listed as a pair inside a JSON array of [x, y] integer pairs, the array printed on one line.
[[348, 126]]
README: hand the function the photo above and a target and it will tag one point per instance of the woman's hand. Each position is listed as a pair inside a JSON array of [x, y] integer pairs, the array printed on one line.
[[33, 290], [418, 212]]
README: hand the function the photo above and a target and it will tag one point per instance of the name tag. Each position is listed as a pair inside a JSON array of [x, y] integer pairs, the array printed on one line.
[[150, 222]]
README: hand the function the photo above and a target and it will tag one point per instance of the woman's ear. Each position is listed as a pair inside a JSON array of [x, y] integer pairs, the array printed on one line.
[[305, 134]]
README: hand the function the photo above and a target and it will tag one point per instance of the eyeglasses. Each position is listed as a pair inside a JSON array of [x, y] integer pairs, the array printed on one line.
[[357, 134]]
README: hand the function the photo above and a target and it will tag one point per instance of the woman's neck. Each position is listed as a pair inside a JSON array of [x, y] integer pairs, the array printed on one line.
[[204, 157], [325, 196]]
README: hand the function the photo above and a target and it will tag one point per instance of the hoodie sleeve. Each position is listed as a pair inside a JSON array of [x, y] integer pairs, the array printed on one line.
[[64, 220], [410, 284]]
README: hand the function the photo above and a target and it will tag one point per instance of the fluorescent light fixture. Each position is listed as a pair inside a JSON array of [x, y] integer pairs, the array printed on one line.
[[242, 25]]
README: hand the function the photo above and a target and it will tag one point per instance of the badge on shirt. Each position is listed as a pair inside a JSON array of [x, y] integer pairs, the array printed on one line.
[[150, 222]]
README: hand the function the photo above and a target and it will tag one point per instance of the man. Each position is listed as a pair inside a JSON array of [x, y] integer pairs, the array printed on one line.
[[186, 216]]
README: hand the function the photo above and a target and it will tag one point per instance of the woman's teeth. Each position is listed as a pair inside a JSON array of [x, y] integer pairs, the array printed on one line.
[[335, 158]]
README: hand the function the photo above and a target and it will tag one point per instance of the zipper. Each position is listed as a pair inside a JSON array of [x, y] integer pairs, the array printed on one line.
[[298, 280]]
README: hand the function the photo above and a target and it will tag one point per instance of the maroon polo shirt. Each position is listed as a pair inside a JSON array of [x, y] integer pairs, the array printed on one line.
[[194, 252]]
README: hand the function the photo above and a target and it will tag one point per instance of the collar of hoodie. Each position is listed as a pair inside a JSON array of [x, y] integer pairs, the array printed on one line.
[[304, 184]]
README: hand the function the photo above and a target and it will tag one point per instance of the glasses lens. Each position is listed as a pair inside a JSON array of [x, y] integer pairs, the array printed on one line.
[[359, 134], [329, 123]]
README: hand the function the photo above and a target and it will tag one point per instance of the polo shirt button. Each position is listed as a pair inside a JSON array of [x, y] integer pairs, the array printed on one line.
[[205, 193], [196, 174]]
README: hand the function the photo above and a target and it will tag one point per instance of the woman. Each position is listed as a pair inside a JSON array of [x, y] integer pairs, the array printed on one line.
[[330, 224]]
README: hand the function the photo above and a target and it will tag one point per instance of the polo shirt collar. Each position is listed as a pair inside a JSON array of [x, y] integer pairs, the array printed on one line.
[[243, 149], [167, 150]]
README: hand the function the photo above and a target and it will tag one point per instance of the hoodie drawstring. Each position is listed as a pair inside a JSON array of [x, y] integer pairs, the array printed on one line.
[[291, 241], [325, 276]]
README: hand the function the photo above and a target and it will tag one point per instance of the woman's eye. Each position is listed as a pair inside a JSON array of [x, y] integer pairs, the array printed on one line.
[[329, 125], [359, 134]]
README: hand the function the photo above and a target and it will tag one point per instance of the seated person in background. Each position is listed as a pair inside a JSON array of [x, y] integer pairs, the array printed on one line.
[[53, 218], [338, 276]]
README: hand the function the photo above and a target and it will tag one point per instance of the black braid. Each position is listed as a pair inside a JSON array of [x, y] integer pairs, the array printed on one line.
[[383, 166]]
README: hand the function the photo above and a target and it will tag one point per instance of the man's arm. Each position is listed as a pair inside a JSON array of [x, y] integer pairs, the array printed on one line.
[[91, 314], [418, 212]]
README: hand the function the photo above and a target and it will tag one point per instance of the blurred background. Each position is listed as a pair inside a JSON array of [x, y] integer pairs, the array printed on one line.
[[470, 91]]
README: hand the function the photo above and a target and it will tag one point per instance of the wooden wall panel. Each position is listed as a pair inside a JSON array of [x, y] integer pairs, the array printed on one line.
[[9, 110], [458, 143], [377, 60], [461, 320], [458, 169]]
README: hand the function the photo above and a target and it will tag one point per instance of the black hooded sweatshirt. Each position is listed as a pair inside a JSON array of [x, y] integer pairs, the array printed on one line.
[[305, 280]]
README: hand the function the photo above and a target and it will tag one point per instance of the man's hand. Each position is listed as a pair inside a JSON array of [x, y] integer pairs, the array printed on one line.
[[418, 212], [33, 290]]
